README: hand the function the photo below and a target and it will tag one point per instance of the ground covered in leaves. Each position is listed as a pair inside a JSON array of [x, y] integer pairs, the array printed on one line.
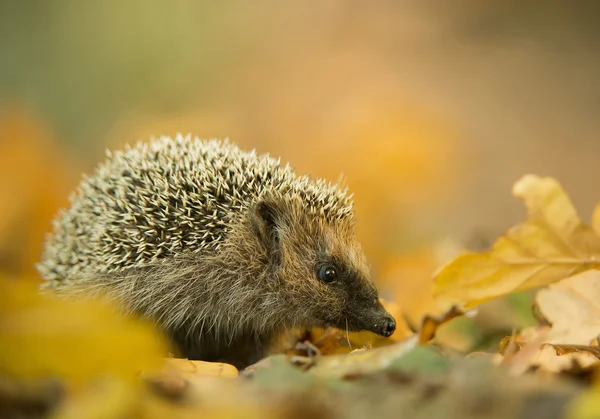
[[73, 360]]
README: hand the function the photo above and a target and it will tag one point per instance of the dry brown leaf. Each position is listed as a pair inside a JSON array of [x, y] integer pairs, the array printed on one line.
[[330, 342], [572, 312], [549, 357], [518, 358], [315, 342], [551, 245], [431, 324], [572, 307]]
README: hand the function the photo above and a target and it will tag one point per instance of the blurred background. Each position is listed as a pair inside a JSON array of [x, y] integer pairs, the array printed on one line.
[[430, 109]]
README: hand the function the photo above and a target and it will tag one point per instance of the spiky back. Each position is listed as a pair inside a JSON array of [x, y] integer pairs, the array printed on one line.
[[160, 199]]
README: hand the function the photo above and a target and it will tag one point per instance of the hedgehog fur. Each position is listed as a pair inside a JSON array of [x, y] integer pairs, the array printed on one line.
[[223, 249]]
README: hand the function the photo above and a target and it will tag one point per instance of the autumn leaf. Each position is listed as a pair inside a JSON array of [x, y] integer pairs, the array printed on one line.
[[546, 356], [41, 336], [187, 367], [361, 362], [430, 324], [572, 307], [110, 398], [570, 311], [552, 244], [176, 378]]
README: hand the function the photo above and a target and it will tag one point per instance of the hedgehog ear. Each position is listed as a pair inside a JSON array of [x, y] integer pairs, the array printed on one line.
[[266, 221]]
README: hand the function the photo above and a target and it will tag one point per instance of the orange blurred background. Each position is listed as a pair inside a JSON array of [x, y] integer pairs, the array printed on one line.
[[429, 109]]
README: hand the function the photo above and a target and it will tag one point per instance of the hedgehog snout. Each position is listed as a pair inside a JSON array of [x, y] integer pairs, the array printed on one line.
[[380, 321], [385, 327]]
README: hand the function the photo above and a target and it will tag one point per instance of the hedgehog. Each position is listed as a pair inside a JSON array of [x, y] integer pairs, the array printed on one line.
[[223, 250]]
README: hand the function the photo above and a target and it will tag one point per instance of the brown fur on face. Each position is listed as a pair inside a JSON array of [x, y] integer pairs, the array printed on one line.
[[296, 244]]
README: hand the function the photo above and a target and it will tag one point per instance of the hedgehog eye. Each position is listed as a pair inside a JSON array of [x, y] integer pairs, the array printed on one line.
[[327, 273]]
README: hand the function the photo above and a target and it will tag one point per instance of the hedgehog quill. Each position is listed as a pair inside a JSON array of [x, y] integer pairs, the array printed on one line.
[[223, 249]]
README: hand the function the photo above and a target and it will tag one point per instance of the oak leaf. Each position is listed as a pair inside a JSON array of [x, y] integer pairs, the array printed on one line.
[[552, 244], [572, 307], [570, 310]]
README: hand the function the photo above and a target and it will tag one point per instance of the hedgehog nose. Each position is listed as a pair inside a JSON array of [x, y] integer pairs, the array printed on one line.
[[388, 327]]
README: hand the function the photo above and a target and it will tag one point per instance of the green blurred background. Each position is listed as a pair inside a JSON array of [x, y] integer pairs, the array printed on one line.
[[430, 109]]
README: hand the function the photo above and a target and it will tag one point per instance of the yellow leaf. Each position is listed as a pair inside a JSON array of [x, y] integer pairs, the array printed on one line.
[[42, 335], [585, 406], [186, 367], [109, 398], [551, 245]]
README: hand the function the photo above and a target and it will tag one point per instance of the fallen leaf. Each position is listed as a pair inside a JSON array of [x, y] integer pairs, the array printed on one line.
[[549, 357], [572, 307], [569, 331], [314, 344], [173, 380], [585, 406], [186, 367], [431, 324], [550, 360], [329, 343], [109, 398], [361, 362], [44, 336], [551, 245]]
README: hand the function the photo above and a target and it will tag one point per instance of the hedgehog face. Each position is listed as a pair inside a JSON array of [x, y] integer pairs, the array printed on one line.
[[343, 280], [320, 268]]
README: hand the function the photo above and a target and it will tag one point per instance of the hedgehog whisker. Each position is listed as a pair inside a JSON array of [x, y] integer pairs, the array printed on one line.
[[348, 335]]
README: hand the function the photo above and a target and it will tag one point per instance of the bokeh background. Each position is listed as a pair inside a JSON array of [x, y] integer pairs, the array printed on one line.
[[429, 109]]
